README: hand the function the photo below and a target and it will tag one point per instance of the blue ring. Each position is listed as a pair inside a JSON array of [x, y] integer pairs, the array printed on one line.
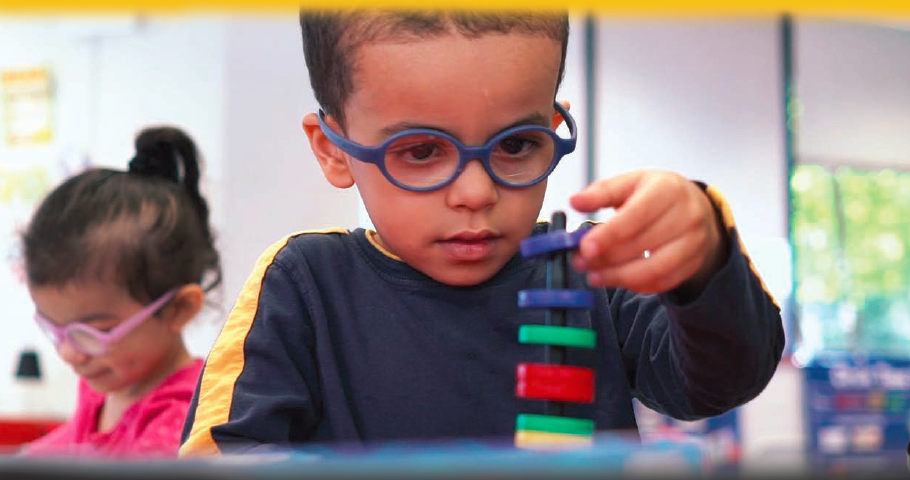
[[551, 242], [555, 298]]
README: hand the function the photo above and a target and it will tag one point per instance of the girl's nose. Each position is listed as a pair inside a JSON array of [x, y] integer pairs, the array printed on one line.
[[69, 353]]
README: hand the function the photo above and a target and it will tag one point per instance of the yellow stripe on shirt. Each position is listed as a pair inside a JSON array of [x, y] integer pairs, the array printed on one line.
[[726, 214], [225, 360], [373, 237]]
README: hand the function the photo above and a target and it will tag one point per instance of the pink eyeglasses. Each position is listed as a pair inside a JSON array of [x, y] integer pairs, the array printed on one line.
[[94, 342]]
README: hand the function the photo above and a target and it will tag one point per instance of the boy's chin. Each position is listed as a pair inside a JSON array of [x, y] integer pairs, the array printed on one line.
[[464, 275]]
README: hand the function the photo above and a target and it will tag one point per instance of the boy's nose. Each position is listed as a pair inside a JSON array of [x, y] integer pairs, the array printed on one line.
[[473, 189]]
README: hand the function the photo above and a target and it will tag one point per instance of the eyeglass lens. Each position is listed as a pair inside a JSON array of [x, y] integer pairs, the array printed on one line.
[[426, 160]]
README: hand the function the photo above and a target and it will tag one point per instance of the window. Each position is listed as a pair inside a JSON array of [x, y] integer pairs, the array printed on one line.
[[850, 233]]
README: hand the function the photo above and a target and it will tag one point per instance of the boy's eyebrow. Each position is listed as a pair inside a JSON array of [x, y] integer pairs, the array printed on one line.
[[535, 118]]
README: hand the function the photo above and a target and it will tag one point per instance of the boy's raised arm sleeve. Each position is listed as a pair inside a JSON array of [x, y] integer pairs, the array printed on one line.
[[707, 356], [259, 384]]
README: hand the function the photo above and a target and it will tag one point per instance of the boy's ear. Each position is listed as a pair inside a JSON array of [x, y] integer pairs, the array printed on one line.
[[557, 118], [185, 305], [331, 159]]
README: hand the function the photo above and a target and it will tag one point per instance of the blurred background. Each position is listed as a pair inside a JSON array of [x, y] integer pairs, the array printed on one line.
[[802, 122]]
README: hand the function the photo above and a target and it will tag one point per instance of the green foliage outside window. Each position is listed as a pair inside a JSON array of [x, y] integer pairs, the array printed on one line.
[[850, 232]]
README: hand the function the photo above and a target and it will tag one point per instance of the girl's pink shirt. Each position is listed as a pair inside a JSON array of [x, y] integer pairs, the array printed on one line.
[[150, 428]]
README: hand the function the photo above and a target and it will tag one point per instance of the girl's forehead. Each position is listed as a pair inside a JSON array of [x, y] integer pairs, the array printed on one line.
[[77, 289], [74, 299]]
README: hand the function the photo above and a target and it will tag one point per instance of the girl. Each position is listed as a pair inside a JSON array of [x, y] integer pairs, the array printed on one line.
[[116, 263]]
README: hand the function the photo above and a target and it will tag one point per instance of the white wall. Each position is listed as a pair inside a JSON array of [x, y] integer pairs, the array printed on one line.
[[853, 87], [701, 98], [29, 43]]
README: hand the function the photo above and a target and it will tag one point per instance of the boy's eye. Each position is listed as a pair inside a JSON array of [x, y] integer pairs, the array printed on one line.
[[422, 152], [419, 150], [515, 145]]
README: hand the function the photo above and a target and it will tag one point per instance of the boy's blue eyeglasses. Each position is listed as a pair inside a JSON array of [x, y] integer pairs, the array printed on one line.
[[422, 160]]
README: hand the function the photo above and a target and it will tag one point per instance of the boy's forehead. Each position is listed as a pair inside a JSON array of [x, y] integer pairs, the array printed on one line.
[[374, 27], [440, 84], [355, 49], [481, 59], [435, 45]]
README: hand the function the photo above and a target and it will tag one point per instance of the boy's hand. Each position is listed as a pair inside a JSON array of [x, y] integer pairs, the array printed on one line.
[[659, 212]]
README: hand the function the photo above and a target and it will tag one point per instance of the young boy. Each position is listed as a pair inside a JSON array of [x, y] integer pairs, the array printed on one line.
[[410, 332]]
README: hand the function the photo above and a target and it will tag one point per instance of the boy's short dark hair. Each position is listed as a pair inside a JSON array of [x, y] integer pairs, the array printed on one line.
[[331, 37]]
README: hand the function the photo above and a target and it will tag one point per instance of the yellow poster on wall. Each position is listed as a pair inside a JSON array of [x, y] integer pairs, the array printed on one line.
[[27, 106]]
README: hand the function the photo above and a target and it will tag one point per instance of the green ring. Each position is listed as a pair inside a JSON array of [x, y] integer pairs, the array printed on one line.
[[553, 424], [556, 335]]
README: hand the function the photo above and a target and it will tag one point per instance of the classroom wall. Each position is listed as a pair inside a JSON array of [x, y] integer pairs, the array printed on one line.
[[27, 43], [853, 97]]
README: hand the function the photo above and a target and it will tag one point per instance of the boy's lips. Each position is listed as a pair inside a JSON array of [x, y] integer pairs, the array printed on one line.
[[470, 246]]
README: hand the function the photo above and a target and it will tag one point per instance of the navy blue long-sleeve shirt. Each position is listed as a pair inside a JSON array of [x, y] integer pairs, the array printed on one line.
[[334, 340]]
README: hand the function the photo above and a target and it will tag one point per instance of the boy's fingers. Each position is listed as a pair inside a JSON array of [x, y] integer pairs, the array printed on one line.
[[610, 192], [676, 277], [645, 207], [663, 270], [654, 234]]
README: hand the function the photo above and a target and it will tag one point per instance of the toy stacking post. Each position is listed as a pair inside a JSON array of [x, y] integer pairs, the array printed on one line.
[[556, 278], [553, 381]]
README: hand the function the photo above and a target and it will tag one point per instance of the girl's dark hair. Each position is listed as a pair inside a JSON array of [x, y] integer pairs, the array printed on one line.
[[146, 228]]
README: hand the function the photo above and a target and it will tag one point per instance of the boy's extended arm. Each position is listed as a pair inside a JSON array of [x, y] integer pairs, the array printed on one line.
[[710, 354], [259, 383]]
